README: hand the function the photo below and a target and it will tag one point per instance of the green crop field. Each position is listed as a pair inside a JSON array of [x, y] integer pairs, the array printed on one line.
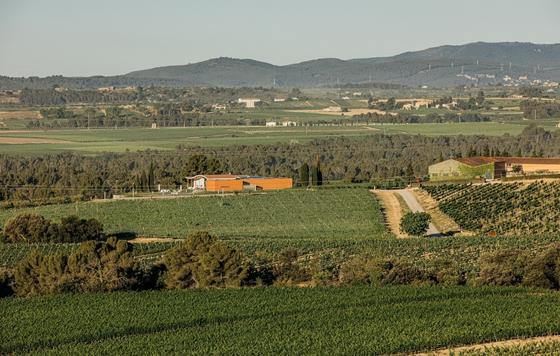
[[133, 139], [334, 320], [290, 217]]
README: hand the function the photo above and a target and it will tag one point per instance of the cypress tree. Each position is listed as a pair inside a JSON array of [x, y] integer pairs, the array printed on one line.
[[304, 175]]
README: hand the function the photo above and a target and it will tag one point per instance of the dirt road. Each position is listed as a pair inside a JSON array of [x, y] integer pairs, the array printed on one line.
[[392, 210], [415, 207]]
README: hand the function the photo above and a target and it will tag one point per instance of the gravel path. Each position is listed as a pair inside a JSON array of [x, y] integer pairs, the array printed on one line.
[[415, 207]]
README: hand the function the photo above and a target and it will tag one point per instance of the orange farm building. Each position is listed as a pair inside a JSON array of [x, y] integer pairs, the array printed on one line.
[[236, 183]]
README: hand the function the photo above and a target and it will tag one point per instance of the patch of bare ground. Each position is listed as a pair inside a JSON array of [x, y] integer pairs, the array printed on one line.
[[20, 114], [392, 210], [441, 220], [350, 112], [147, 240], [489, 346], [28, 140]]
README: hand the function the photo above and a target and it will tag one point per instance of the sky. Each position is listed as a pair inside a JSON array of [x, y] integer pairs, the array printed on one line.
[[109, 37]]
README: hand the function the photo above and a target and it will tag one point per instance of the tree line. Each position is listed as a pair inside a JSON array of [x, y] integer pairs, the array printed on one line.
[[53, 176], [202, 261]]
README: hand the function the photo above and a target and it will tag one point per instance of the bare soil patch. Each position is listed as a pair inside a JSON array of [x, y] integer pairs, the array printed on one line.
[[392, 210], [20, 114], [488, 346], [147, 240], [28, 140], [350, 112]]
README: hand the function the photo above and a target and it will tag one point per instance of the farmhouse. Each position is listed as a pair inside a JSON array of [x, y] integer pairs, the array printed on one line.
[[491, 167], [236, 183], [249, 103]]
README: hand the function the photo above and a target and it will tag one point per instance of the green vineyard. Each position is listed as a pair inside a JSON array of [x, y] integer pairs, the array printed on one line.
[[509, 209], [263, 321]]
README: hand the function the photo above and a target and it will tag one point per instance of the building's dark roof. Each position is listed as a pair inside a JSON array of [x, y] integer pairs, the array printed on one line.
[[478, 161]]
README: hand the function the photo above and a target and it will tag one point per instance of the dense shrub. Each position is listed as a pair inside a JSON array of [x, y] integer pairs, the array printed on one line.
[[93, 267], [288, 269], [362, 269], [259, 272], [543, 271], [415, 224], [27, 228], [502, 268], [446, 272], [33, 228], [203, 261]]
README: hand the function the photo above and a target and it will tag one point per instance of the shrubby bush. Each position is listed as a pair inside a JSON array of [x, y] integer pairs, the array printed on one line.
[[364, 269], [32, 228], [93, 267], [415, 224], [502, 268], [288, 270], [543, 271], [203, 261]]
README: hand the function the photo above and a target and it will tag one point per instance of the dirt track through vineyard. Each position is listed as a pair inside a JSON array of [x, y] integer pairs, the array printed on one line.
[[488, 346]]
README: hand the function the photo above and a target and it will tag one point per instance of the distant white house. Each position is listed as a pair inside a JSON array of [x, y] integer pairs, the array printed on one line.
[[219, 106], [333, 109], [289, 123], [408, 106], [279, 100], [345, 98], [271, 124], [249, 103]]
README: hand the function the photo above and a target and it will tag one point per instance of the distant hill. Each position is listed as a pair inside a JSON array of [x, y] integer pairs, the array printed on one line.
[[485, 63]]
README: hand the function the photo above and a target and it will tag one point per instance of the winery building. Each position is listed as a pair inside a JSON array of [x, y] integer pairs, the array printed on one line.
[[236, 183], [492, 167]]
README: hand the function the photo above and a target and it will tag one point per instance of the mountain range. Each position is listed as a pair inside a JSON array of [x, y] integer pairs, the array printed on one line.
[[450, 65]]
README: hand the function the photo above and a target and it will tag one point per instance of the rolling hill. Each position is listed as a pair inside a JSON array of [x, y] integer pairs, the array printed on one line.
[[485, 63], [438, 66]]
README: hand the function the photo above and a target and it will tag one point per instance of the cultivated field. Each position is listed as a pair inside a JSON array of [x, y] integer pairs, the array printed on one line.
[[296, 218], [343, 320], [134, 139], [509, 208]]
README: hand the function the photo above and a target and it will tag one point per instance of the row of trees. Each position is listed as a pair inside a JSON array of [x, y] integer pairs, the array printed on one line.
[[310, 175], [202, 261], [350, 159]]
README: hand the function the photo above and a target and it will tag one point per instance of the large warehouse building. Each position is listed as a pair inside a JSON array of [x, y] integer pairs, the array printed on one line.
[[491, 167], [236, 183]]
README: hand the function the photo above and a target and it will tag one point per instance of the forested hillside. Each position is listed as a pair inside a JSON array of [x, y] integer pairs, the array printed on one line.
[[439, 66]]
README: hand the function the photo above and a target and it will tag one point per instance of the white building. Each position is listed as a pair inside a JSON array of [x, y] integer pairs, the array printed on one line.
[[249, 103], [271, 124], [279, 100], [289, 123]]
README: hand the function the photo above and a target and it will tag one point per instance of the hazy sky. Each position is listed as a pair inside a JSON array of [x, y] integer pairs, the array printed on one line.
[[88, 37]]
